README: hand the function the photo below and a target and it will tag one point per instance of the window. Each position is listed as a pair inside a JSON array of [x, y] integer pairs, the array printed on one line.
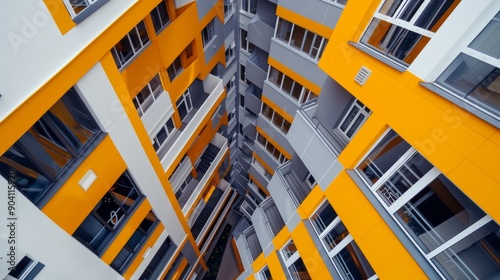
[[160, 257], [183, 185], [160, 17], [148, 95], [228, 8], [310, 180], [175, 68], [340, 246], [261, 169], [76, 7], [53, 144], [230, 84], [243, 74], [295, 267], [356, 115], [272, 218], [207, 34], [298, 92], [184, 104], [230, 53], [252, 242], [271, 149], [264, 274], [231, 115], [249, 6], [108, 215], [340, 2], [130, 45], [163, 135], [244, 43], [135, 243], [26, 268], [450, 230], [474, 75], [275, 118], [242, 101], [301, 39], [401, 29]]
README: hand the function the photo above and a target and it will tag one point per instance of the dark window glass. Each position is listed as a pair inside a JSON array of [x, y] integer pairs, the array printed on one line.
[[50, 146]]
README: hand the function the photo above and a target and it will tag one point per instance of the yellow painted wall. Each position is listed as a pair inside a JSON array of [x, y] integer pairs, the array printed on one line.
[[108, 165], [459, 144]]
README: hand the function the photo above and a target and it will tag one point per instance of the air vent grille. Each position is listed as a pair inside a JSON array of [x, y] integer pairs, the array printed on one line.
[[362, 75]]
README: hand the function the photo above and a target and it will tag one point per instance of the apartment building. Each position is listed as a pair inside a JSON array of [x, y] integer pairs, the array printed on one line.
[[333, 139], [116, 136], [371, 142]]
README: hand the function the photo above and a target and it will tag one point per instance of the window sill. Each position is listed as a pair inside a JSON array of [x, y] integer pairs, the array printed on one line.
[[467, 105], [379, 57], [209, 43], [88, 11]]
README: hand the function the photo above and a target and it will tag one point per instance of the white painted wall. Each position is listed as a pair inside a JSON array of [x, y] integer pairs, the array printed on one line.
[[63, 256], [33, 49]]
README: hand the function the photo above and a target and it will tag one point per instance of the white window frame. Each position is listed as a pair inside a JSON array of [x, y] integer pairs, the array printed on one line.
[[208, 33], [156, 10], [280, 128], [142, 45], [309, 54], [261, 274], [72, 12], [399, 202], [305, 94], [154, 94], [332, 253], [289, 261], [363, 111], [281, 157], [230, 9], [174, 69], [261, 168], [248, 7], [230, 53], [169, 135], [185, 100]]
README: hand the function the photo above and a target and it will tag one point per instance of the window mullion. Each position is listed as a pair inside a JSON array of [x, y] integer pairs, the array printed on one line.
[[341, 245], [419, 12], [414, 190], [405, 157], [472, 228]]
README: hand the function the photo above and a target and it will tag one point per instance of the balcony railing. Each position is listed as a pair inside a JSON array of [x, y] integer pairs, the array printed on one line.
[[220, 142], [317, 149], [213, 87]]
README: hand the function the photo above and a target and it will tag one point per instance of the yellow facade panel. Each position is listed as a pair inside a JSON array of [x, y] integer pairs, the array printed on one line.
[[387, 256], [259, 263], [141, 70], [303, 21], [277, 108], [274, 265], [61, 17], [341, 194], [478, 186], [108, 165], [309, 253], [281, 238], [311, 203]]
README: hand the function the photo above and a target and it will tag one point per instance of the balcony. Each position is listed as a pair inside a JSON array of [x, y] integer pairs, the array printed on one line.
[[267, 222], [248, 245], [205, 213], [317, 149], [211, 158], [208, 100], [256, 68], [260, 33], [291, 190]]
